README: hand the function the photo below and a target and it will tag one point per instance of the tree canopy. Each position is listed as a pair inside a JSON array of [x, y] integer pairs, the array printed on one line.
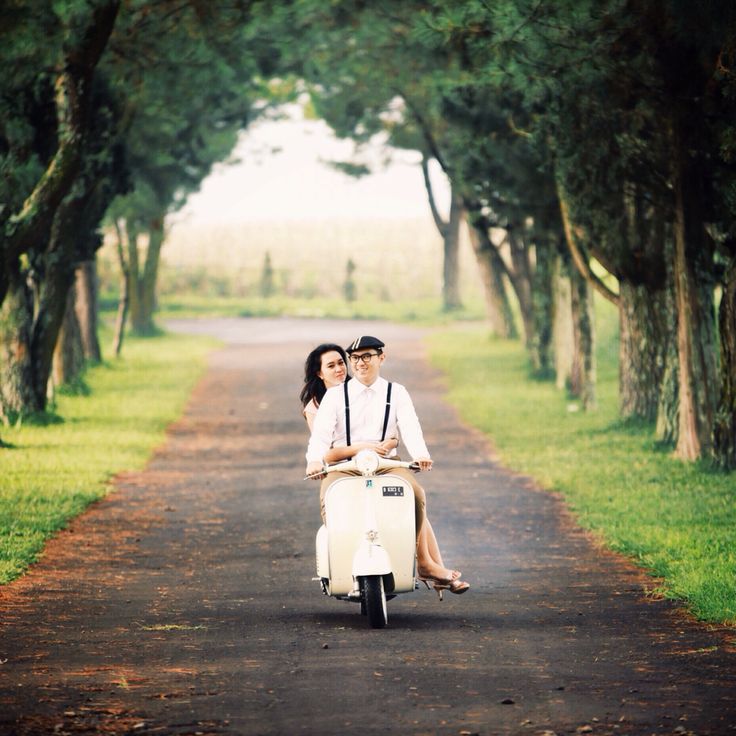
[[597, 136]]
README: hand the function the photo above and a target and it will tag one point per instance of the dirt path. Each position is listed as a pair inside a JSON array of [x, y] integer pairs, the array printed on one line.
[[183, 603]]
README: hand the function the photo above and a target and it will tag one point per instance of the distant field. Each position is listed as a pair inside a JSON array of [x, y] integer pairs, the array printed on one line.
[[395, 260]]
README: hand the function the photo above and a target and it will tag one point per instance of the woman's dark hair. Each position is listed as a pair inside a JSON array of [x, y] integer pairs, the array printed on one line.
[[314, 387]]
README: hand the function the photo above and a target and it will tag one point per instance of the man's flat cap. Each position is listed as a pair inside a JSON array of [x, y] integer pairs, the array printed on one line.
[[366, 342]]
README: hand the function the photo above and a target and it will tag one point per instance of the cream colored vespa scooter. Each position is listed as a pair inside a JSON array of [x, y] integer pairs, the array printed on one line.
[[366, 552]]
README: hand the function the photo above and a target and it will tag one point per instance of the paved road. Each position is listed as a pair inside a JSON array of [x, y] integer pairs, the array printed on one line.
[[183, 602]]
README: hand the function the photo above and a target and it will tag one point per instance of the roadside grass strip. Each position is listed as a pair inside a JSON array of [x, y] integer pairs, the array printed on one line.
[[413, 310], [676, 520], [52, 470]]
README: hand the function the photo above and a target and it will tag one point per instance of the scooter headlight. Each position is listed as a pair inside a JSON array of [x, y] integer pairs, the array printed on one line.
[[367, 462]]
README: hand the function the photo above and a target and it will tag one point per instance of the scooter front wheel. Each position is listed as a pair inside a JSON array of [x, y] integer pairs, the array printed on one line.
[[374, 599]]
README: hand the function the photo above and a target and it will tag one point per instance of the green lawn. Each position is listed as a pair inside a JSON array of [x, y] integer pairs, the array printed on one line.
[[50, 473], [675, 519], [414, 310]]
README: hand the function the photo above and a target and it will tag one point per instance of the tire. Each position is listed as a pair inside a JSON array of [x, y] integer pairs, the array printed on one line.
[[374, 598]]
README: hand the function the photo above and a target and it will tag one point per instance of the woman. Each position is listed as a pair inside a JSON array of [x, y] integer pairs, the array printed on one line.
[[325, 367]]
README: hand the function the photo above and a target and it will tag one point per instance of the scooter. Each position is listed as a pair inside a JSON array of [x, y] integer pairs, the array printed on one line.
[[366, 552]]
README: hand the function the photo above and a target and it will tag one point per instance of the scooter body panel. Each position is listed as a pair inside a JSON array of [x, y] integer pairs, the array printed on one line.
[[322, 552], [356, 504]]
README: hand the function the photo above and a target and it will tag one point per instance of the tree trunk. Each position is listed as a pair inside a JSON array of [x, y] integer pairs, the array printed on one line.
[[695, 318], [543, 311], [724, 433], [86, 309], [562, 331], [17, 396], [52, 304], [142, 292], [668, 401], [58, 280], [68, 359], [450, 233], [668, 406], [124, 297], [492, 268], [583, 378], [135, 292], [521, 281], [150, 276], [644, 332], [451, 265]]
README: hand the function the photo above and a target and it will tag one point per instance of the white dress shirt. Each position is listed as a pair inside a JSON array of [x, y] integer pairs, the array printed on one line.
[[367, 411]]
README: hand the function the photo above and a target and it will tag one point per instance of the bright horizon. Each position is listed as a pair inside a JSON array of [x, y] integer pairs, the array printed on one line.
[[281, 175]]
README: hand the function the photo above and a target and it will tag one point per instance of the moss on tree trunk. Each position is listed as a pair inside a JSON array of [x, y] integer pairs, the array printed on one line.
[[17, 396], [644, 334], [584, 374]]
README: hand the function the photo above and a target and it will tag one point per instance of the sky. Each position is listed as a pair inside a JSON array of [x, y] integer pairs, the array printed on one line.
[[281, 175]]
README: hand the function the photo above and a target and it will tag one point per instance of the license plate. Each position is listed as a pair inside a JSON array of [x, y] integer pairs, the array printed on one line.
[[393, 490]]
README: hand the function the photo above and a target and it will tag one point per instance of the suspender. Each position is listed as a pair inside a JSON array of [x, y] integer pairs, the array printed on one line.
[[347, 412], [388, 409]]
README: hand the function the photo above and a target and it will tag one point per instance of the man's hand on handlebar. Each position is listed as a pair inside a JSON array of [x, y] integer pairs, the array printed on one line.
[[424, 463], [315, 470]]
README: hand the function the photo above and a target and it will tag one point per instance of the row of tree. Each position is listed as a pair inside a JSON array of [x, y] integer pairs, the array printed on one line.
[[589, 143], [109, 111], [598, 137]]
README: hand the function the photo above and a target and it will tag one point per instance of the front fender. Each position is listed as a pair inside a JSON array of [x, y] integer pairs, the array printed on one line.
[[371, 559]]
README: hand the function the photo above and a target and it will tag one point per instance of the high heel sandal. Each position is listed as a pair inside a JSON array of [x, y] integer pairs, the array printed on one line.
[[456, 586], [454, 575]]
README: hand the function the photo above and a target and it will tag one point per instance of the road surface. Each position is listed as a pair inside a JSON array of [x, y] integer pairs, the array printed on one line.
[[183, 602]]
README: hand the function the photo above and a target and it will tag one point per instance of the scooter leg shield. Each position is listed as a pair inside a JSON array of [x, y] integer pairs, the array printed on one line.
[[322, 550], [355, 506]]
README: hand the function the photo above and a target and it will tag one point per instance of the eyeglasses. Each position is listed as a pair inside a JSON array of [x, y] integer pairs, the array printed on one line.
[[365, 357]]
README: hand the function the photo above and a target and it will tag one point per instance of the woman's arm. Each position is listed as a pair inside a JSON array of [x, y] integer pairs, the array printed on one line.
[[335, 454], [310, 412]]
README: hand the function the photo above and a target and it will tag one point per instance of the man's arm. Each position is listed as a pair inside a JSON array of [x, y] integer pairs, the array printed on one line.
[[411, 430]]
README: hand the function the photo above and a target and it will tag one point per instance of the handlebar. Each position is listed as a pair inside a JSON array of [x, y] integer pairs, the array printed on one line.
[[365, 462]]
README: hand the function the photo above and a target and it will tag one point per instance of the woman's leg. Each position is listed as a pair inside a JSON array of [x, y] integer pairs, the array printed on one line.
[[429, 559], [433, 549]]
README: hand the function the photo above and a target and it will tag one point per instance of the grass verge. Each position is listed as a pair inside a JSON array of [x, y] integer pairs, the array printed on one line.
[[416, 311], [674, 519], [52, 472]]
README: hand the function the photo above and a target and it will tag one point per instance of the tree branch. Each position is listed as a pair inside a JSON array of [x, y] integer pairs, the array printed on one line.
[[426, 132], [72, 89], [579, 258], [438, 221]]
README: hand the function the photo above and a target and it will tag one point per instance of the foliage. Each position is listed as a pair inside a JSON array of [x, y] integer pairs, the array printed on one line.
[[170, 144]]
